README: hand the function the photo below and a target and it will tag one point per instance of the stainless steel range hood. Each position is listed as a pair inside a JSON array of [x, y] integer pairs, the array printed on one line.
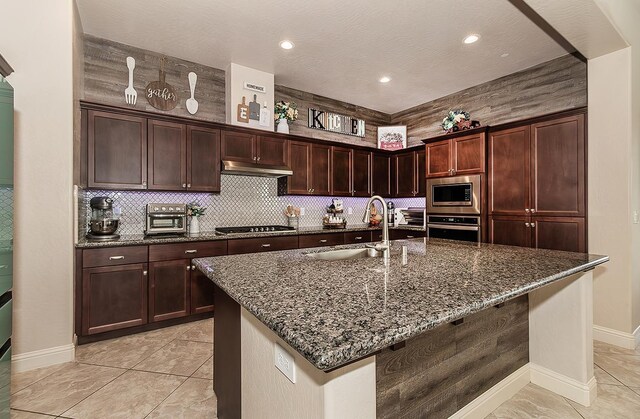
[[231, 167]]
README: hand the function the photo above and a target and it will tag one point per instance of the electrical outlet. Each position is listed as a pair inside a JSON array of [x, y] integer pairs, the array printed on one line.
[[301, 210], [349, 210], [285, 363], [636, 218]]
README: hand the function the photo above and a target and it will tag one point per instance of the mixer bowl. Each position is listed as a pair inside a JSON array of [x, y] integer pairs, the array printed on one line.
[[103, 227]]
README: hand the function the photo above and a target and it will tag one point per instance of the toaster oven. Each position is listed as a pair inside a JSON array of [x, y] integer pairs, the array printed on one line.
[[166, 219]]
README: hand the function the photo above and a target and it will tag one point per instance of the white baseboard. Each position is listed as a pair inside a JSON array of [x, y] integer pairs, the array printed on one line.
[[585, 394], [486, 403], [43, 358], [616, 337]]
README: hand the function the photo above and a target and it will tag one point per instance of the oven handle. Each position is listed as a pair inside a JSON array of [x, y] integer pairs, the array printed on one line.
[[453, 227], [166, 215]]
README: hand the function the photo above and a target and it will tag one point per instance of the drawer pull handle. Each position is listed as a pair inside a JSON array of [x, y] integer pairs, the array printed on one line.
[[266, 245], [190, 252], [410, 237], [323, 241], [116, 257], [358, 237]]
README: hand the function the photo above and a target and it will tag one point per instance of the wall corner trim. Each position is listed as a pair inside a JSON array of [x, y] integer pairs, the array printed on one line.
[[585, 394], [488, 401], [43, 358], [616, 337]]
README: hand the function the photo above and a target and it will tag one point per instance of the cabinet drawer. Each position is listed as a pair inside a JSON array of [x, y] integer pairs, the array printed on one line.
[[262, 244], [315, 240], [112, 256], [160, 252], [405, 234], [357, 237]]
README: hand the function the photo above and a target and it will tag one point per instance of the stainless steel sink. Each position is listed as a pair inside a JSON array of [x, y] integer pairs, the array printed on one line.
[[347, 254]]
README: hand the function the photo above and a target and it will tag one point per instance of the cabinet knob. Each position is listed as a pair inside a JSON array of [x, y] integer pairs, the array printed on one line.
[[533, 225], [533, 210], [188, 185], [527, 225], [144, 183], [184, 185], [258, 158], [188, 267], [144, 273], [527, 210], [193, 267]]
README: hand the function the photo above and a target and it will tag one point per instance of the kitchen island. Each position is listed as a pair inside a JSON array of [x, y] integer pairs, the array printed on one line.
[[335, 318]]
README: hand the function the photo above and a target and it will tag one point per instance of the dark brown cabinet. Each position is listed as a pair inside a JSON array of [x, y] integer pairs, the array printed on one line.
[[409, 174], [361, 173], [113, 297], [203, 159], [353, 237], [201, 292], [421, 179], [405, 234], [262, 244], [169, 289], [116, 151], [537, 185], [317, 240], [320, 169], [381, 175], [341, 169], [311, 166], [260, 149], [464, 155], [167, 155]]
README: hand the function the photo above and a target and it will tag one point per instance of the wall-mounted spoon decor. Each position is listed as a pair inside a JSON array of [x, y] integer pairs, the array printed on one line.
[[192, 103]]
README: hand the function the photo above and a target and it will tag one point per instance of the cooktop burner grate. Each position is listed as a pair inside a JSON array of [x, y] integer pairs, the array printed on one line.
[[254, 229]]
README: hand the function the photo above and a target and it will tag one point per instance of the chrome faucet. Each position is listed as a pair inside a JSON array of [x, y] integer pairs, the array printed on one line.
[[385, 221]]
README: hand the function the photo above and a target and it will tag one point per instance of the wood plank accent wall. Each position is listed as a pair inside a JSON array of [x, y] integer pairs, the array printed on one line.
[[554, 86], [442, 370], [106, 76]]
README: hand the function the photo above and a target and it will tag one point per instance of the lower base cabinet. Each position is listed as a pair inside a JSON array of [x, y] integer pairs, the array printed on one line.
[[169, 289], [113, 297], [555, 233], [201, 292]]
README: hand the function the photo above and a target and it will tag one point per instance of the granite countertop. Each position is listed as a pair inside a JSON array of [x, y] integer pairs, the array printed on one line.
[[335, 312], [140, 239]]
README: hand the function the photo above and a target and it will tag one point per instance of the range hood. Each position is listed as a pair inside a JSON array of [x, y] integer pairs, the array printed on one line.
[[231, 167]]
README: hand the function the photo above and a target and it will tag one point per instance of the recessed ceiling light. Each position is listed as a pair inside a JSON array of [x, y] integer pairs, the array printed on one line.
[[505, 55], [471, 39], [385, 79], [286, 44]]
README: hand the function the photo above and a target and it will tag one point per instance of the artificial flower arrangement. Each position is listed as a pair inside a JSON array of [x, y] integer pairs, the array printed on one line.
[[456, 119], [194, 209], [285, 110]]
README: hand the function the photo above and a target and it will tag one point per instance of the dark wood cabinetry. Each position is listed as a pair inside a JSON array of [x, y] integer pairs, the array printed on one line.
[[353, 237], [167, 155], [461, 155], [361, 173], [320, 169], [299, 159], [341, 170], [250, 148], [116, 151], [324, 239], [409, 174], [203, 159], [270, 150], [381, 175], [262, 244], [169, 289], [537, 185]]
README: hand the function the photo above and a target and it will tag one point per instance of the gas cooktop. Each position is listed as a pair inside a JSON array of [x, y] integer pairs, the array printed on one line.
[[253, 229]]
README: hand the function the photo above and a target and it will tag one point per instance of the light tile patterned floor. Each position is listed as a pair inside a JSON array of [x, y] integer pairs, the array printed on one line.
[[166, 373]]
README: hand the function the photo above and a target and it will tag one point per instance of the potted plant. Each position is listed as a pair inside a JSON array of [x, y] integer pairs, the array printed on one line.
[[285, 112], [195, 210]]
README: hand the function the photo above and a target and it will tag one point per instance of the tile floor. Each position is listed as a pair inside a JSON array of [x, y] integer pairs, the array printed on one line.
[[168, 373]]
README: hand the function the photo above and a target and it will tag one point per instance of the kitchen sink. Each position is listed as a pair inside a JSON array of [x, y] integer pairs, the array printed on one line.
[[346, 254]]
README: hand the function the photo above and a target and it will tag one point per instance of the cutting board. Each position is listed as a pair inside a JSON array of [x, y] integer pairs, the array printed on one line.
[[254, 109], [243, 111]]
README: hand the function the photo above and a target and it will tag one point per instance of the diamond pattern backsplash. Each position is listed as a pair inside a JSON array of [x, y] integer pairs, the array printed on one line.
[[243, 200], [6, 213]]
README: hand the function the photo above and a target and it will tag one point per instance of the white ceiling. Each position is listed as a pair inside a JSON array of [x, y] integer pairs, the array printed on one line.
[[342, 47]]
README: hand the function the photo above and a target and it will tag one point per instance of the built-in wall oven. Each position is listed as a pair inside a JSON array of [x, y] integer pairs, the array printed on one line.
[[453, 208]]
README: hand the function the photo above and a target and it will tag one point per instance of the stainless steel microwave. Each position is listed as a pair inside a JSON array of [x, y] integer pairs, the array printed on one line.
[[454, 195]]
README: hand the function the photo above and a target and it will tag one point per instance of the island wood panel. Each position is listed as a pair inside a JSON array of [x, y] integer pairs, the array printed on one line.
[[440, 371]]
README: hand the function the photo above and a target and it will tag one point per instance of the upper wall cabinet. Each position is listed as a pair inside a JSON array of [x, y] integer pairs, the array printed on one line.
[[116, 151], [361, 172], [260, 149], [203, 159], [167, 155], [463, 155], [381, 175], [341, 169]]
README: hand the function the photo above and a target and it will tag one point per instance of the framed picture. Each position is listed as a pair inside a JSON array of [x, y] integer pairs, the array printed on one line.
[[392, 138]]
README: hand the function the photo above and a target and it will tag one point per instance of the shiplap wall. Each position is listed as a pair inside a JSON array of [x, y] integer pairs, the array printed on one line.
[[549, 87]]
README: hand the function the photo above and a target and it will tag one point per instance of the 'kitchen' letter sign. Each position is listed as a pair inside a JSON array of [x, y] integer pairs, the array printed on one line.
[[336, 123]]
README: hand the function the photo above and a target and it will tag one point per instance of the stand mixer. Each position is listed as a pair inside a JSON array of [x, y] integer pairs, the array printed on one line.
[[103, 225]]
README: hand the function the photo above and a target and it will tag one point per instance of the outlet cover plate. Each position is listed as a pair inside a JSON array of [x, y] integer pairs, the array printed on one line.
[[284, 362]]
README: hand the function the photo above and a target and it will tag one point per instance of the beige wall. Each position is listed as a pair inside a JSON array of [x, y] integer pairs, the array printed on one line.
[[39, 48]]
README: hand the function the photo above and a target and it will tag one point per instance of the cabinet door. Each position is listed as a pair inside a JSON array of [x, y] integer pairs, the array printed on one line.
[[510, 230], [201, 292], [558, 162], [167, 168], [559, 233], [238, 146], [203, 159], [6, 134], [509, 179], [341, 171], [271, 151], [113, 297], [361, 173], [468, 154], [381, 175], [405, 174], [169, 289], [421, 173], [320, 169], [116, 151], [438, 159], [299, 160]]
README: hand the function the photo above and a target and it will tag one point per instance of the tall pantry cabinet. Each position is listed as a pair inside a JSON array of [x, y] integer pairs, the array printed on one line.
[[537, 185]]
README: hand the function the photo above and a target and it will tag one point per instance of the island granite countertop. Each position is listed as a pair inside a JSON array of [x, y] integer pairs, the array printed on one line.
[[335, 312], [141, 239]]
